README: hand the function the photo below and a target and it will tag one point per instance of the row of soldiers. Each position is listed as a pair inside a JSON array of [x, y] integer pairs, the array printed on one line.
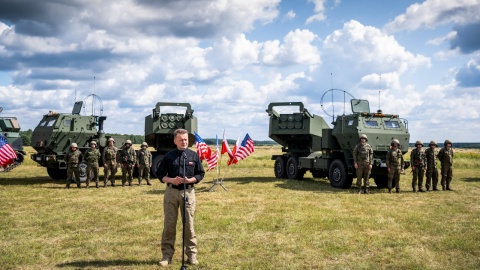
[[125, 157], [423, 161]]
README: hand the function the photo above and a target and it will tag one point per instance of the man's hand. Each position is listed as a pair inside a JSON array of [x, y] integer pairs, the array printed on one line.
[[355, 165]]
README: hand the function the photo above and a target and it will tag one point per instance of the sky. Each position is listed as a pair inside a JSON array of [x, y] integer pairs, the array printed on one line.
[[231, 58]]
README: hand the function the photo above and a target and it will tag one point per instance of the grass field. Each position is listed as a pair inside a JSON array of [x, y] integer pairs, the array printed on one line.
[[260, 223]]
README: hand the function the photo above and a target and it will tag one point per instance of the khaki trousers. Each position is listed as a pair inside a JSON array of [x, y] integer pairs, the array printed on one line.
[[172, 202]]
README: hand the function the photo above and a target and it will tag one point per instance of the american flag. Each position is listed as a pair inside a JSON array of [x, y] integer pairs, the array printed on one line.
[[245, 148], [7, 154], [203, 150], [212, 161]]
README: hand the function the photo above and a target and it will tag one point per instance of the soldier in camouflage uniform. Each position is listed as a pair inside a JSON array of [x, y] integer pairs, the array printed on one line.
[[73, 158], [109, 157], [144, 162], [394, 160], [432, 172], [91, 157], [128, 157], [419, 165], [363, 160], [446, 160]]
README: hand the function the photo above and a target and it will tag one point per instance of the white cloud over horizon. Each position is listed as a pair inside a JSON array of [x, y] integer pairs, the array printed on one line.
[[140, 54]]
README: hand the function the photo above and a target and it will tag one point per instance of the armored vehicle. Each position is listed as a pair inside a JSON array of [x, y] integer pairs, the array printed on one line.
[[309, 144], [57, 131], [10, 131], [160, 125]]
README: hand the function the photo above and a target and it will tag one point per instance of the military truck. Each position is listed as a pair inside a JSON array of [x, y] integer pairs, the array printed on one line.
[[10, 131], [160, 125], [309, 144], [57, 131]]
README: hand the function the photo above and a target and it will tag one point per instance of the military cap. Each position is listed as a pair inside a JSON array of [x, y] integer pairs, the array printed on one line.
[[74, 145], [111, 139], [433, 143], [144, 144], [418, 142], [128, 141], [363, 136], [395, 141], [93, 142], [447, 142]]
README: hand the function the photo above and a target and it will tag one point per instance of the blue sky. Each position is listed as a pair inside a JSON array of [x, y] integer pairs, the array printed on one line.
[[230, 59]]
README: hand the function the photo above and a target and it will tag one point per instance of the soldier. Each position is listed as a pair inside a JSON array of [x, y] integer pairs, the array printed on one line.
[[144, 162], [432, 172], [73, 157], [128, 157], [394, 160], [91, 157], [363, 160], [419, 162], [446, 160], [109, 157]]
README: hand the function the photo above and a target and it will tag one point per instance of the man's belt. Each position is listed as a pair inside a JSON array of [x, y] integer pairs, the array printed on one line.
[[180, 187]]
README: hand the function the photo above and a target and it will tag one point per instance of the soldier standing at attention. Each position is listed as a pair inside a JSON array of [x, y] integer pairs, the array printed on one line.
[[109, 157], [419, 162], [446, 160], [432, 172], [144, 161], [171, 171], [73, 157], [128, 156], [91, 157], [363, 160], [394, 160]]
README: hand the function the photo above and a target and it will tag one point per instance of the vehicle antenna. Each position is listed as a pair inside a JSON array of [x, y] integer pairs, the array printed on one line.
[[379, 88], [333, 105], [93, 99]]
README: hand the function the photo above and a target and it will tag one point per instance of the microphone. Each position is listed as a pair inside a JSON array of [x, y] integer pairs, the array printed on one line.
[[184, 155]]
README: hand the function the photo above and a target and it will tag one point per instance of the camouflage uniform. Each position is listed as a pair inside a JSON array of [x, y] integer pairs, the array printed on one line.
[[73, 158], [109, 157], [144, 161], [91, 157], [446, 160], [363, 156], [394, 160], [432, 173], [128, 158], [419, 160]]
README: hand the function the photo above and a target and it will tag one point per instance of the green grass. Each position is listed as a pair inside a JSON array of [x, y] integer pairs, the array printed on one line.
[[260, 223]]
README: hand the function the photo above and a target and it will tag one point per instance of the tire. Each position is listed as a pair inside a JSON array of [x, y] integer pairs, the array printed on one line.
[[338, 175], [381, 181], [280, 167], [292, 170], [155, 163], [57, 174]]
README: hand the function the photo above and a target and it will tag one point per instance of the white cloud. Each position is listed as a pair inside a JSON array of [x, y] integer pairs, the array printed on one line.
[[433, 13], [319, 11], [296, 49], [290, 15]]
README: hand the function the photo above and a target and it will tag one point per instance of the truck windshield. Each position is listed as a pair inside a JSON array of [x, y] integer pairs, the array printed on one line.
[[392, 124]]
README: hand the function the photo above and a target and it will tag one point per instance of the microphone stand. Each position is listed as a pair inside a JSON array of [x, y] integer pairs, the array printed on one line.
[[184, 214]]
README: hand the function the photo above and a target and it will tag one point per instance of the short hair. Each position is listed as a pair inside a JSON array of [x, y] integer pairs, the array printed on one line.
[[179, 131]]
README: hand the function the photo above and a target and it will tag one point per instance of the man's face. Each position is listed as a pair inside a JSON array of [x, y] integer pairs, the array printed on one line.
[[110, 143], [181, 141], [127, 145], [363, 140], [433, 146], [419, 146], [74, 149], [92, 146], [448, 145], [394, 146]]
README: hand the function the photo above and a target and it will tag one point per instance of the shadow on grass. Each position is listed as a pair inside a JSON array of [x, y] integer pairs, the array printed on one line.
[[29, 181], [471, 179], [101, 264], [307, 184]]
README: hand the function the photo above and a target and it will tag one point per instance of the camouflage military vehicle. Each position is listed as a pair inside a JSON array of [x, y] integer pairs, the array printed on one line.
[[57, 131], [160, 125], [10, 131], [309, 144]]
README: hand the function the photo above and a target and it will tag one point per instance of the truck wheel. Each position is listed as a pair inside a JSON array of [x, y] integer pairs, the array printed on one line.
[[155, 163], [279, 167], [338, 175], [381, 181], [57, 174], [292, 169]]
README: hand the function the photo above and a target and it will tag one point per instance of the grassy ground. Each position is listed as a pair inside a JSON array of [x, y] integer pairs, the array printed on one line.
[[260, 223]]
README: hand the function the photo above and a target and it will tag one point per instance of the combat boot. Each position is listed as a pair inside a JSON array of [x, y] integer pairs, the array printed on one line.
[[148, 183], [130, 183], [421, 190], [428, 189], [448, 187], [105, 184], [139, 182], [359, 190], [366, 191], [443, 187], [435, 189], [389, 190], [397, 190]]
